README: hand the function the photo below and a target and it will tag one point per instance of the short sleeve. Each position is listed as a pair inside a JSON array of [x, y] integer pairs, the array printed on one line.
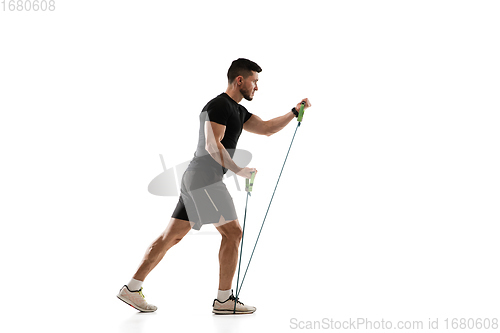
[[247, 114], [218, 111]]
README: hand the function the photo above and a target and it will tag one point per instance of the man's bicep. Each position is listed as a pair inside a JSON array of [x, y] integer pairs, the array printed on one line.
[[256, 125]]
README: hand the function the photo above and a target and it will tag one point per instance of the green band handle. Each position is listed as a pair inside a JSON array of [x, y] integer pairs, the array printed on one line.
[[249, 182], [301, 112]]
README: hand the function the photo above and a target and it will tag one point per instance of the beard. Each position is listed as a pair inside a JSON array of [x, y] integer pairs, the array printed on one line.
[[247, 94]]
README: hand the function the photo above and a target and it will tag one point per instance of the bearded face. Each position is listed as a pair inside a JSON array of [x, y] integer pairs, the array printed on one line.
[[247, 93], [249, 86]]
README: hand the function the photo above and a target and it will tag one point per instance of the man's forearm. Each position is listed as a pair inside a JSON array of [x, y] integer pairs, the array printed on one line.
[[277, 124], [221, 156]]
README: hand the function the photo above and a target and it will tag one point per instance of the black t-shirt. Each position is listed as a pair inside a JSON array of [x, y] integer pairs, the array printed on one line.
[[225, 111]]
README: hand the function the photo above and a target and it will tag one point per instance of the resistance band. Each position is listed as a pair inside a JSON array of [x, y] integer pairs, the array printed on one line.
[[248, 188]]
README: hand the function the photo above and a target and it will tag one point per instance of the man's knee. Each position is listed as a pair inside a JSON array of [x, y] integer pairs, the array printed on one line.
[[176, 240], [231, 231], [236, 233]]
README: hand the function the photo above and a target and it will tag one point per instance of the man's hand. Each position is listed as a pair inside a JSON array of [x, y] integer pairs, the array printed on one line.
[[246, 172], [307, 105]]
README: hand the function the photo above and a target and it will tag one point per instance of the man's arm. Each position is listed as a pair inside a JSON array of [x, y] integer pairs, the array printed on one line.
[[258, 126], [214, 133]]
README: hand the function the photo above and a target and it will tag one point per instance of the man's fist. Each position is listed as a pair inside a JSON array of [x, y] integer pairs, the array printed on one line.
[[307, 105]]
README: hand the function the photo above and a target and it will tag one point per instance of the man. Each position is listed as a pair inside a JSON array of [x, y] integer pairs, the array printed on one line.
[[204, 198]]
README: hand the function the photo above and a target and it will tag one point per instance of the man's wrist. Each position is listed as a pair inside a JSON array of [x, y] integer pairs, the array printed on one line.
[[294, 111]]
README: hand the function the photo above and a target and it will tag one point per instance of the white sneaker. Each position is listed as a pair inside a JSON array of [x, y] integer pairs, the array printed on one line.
[[135, 299], [227, 307]]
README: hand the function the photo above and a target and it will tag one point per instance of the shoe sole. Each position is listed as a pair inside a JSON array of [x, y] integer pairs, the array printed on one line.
[[230, 312], [132, 305]]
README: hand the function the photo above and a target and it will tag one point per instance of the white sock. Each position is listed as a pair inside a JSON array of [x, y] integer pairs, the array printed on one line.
[[223, 295], [134, 285]]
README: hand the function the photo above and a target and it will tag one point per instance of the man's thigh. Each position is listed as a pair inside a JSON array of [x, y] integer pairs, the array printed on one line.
[[177, 227]]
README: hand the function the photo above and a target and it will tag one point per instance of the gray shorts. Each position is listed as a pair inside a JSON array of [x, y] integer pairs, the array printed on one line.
[[204, 199]]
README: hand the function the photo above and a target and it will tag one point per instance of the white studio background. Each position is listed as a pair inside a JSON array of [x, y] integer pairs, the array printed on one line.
[[387, 207]]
